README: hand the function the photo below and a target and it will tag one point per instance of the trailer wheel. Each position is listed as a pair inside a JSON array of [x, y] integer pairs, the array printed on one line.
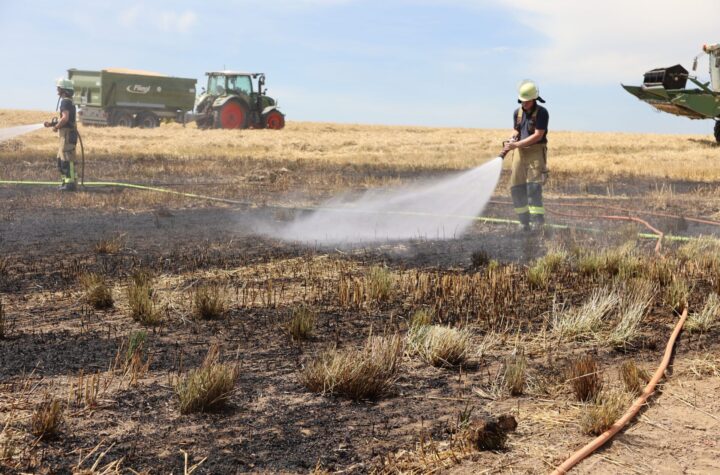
[[274, 120], [233, 115], [717, 131], [148, 120], [123, 119]]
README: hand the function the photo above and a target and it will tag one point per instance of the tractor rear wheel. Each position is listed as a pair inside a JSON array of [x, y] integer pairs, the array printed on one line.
[[274, 120], [233, 115], [717, 131], [148, 120], [123, 119]]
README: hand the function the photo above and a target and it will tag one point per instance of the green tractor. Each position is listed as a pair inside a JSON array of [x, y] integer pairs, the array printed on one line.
[[665, 89], [235, 100]]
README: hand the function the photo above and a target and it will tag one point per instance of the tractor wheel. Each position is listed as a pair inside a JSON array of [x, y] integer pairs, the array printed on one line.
[[124, 119], [233, 115], [717, 131], [274, 120], [148, 120]]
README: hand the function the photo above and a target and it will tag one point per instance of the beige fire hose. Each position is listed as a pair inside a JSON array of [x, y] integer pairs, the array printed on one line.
[[598, 442]]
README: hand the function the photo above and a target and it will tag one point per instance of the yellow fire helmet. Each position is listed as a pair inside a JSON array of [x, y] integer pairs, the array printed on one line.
[[66, 84], [528, 91]]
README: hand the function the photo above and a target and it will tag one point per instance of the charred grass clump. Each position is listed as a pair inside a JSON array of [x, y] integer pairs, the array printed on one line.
[[302, 323], [207, 387], [439, 345], [132, 358], [97, 291], [209, 302], [141, 300], [358, 374], [600, 416], [585, 378], [47, 418]]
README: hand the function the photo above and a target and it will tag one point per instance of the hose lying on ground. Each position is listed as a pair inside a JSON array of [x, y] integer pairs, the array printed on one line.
[[598, 442]]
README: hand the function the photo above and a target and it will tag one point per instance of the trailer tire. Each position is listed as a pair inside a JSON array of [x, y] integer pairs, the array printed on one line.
[[123, 119], [717, 130], [274, 120], [233, 115], [147, 120]]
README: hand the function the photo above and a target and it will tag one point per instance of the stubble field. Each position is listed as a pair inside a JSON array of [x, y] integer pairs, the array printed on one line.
[[154, 333]]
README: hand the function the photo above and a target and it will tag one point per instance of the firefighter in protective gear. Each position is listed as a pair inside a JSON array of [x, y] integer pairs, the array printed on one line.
[[529, 165], [66, 127]]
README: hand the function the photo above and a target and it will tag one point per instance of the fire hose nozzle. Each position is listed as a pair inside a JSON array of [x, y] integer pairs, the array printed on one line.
[[505, 151], [52, 122]]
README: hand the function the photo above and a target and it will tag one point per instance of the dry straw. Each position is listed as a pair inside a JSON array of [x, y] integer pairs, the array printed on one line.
[[366, 373]]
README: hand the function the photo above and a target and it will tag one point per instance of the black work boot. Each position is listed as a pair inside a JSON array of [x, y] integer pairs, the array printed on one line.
[[524, 219]]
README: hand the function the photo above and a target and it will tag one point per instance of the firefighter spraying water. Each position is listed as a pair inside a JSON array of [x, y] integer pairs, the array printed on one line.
[[66, 127]]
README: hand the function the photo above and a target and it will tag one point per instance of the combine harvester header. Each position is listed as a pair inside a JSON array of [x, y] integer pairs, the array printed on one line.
[[665, 89]]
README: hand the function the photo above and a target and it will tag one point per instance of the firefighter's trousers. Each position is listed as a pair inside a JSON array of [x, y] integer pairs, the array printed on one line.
[[66, 155], [528, 169]]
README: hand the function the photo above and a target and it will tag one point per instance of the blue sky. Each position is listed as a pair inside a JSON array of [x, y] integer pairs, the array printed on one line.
[[427, 62]]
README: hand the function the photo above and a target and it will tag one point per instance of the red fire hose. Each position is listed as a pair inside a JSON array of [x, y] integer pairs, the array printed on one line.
[[598, 442]]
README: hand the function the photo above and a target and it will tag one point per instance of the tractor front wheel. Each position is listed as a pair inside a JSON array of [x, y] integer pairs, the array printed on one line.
[[233, 115], [717, 130], [274, 120]]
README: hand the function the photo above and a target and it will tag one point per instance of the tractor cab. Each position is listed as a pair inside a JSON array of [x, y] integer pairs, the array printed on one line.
[[237, 100]]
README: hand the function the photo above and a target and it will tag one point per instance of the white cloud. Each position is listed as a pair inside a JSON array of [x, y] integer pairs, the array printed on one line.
[[173, 22], [166, 21], [602, 42]]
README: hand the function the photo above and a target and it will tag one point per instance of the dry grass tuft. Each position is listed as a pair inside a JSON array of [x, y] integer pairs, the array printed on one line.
[[132, 358], [676, 294], [439, 345], [585, 378], [207, 387], [540, 272], [302, 323], [585, 321], [515, 374], [634, 379], [701, 322], [111, 245], [598, 417], [209, 302], [633, 305], [380, 284], [47, 418], [358, 374], [143, 308], [706, 365], [422, 316], [97, 291], [84, 391]]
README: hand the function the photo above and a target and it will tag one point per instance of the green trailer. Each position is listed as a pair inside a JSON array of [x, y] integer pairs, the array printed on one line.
[[665, 90], [128, 98]]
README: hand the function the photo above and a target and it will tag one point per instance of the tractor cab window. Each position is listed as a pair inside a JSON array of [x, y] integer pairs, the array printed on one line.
[[216, 85], [240, 84]]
